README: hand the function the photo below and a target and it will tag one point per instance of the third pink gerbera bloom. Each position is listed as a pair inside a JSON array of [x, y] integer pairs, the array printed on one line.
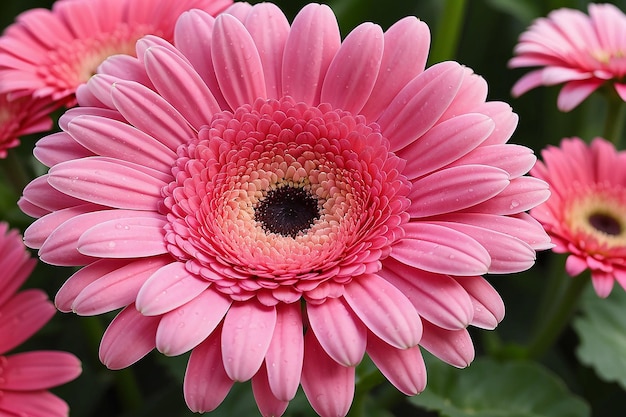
[[282, 202], [580, 51], [586, 212], [49, 53]]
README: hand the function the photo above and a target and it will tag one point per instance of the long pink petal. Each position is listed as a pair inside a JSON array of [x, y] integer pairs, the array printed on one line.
[[247, 333], [351, 76], [286, 352], [515, 159], [487, 303], [30, 371], [454, 347], [58, 147], [384, 310], [129, 337], [268, 404], [23, 315], [182, 329], [441, 250], [404, 368], [328, 385], [40, 193], [37, 233], [33, 404], [339, 331], [206, 382], [168, 288], [312, 43], [520, 195]]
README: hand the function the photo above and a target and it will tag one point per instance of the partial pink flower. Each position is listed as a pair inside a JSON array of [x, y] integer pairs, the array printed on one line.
[[26, 377], [581, 51], [21, 117], [281, 203], [49, 53], [586, 213]]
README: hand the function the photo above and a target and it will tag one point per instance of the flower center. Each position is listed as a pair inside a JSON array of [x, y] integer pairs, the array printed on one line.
[[605, 223], [287, 211]]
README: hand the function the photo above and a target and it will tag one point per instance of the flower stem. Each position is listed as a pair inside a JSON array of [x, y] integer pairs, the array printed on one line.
[[614, 122], [556, 316], [447, 34], [13, 172]]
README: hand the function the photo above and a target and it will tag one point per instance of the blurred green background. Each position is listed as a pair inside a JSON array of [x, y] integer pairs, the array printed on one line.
[[487, 33]]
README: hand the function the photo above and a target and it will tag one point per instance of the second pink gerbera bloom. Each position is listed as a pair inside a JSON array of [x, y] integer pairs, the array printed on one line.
[[586, 213], [281, 202], [580, 51]]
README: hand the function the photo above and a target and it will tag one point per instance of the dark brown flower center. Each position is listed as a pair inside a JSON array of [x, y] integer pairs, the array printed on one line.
[[287, 211], [605, 224]]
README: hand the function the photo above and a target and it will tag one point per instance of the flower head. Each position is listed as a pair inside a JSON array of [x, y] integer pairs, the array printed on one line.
[[26, 376], [281, 202], [580, 51], [586, 212], [49, 53]]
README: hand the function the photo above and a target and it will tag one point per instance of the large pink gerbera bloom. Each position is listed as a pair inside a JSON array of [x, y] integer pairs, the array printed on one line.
[[580, 51], [586, 213], [49, 53], [281, 202], [21, 117], [27, 376]]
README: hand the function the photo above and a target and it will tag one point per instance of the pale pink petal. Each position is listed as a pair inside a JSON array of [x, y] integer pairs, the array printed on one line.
[[268, 404], [285, 352], [338, 330], [575, 265], [40, 193], [39, 231], [58, 147], [22, 315], [168, 288], [31, 371], [328, 385], [506, 121], [350, 79], [487, 303], [602, 282], [515, 159], [384, 310], [206, 382], [441, 250], [575, 92], [182, 329], [529, 81], [404, 368], [553, 75], [247, 333], [311, 45], [129, 337], [451, 346], [522, 194]]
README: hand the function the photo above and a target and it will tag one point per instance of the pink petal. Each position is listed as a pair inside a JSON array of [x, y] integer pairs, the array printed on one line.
[[40, 193], [37, 233], [575, 265], [454, 347], [237, 63], [437, 298], [31, 371], [129, 337], [404, 368], [108, 183], [441, 250], [58, 147], [133, 237], [328, 386], [168, 288], [575, 92], [286, 351], [528, 81], [182, 329], [23, 315], [312, 43], [520, 195], [384, 310], [351, 76], [180, 85], [488, 306], [268, 404], [429, 95], [248, 330], [504, 118], [515, 159], [404, 57], [339, 331], [33, 404], [206, 382], [116, 286], [455, 188], [602, 282]]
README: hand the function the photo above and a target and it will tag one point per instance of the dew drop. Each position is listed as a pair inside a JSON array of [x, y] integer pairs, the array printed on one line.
[[514, 204]]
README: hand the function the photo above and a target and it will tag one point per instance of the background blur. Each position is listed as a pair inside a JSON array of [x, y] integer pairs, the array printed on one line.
[[488, 32]]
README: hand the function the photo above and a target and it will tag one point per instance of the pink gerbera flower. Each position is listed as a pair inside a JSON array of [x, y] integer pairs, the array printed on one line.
[[21, 117], [26, 377], [582, 51], [281, 202], [49, 53], [586, 213]]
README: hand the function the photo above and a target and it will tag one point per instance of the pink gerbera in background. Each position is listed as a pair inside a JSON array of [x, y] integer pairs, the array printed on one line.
[[27, 376], [49, 53], [281, 203], [580, 51], [586, 212], [21, 117]]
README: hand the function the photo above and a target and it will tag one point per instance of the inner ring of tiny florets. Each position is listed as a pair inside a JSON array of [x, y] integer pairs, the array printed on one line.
[[282, 193]]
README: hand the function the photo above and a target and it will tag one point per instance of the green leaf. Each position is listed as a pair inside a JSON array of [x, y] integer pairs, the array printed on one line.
[[493, 389], [602, 332]]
